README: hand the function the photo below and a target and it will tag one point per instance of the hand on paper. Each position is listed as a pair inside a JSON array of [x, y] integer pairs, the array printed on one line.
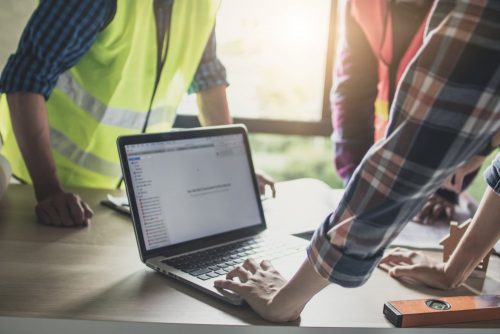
[[415, 267], [434, 209]]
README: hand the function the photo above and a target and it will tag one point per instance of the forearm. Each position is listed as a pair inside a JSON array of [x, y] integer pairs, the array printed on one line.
[[213, 106], [306, 282], [479, 239], [30, 124]]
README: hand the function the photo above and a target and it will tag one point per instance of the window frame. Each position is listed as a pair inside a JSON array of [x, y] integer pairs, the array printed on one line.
[[323, 127]]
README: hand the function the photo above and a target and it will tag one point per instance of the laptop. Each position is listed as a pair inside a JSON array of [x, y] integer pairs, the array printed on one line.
[[196, 207]]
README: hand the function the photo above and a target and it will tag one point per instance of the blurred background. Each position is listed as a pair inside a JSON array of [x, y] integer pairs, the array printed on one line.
[[279, 61]]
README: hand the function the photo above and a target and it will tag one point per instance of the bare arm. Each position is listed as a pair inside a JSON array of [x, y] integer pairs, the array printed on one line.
[[213, 107], [29, 120], [31, 127], [478, 240]]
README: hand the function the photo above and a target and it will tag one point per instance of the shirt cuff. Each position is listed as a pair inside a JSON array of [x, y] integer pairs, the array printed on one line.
[[334, 265], [28, 80], [208, 75], [492, 175]]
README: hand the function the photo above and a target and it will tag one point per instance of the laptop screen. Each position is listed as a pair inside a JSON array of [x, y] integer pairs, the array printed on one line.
[[192, 188]]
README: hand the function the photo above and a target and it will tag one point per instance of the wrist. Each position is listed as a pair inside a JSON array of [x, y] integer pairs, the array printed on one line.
[[290, 300], [452, 279], [46, 189], [284, 306]]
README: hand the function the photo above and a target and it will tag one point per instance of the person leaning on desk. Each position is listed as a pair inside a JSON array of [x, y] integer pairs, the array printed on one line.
[[380, 38], [446, 111], [86, 72], [480, 237]]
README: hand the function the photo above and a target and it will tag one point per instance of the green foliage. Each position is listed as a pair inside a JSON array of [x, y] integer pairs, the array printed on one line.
[[292, 157]]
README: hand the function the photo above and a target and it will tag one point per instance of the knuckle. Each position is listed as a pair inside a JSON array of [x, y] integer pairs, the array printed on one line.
[[73, 197]]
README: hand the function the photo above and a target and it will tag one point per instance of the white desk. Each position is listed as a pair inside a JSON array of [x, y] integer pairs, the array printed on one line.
[[54, 278]]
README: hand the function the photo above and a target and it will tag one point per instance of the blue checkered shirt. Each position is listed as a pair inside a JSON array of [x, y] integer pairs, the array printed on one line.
[[58, 35]]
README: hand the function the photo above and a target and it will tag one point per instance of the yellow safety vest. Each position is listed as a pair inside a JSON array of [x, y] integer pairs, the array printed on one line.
[[108, 93]]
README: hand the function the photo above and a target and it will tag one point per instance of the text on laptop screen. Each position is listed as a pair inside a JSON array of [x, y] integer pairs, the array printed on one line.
[[192, 188]]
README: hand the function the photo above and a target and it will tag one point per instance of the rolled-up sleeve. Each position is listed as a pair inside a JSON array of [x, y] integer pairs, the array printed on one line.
[[350, 271], [211, 72], [57, 35], [446, 112]]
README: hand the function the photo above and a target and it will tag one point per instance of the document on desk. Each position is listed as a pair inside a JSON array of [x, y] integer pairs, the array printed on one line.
[[419, 236], [117, 203], [300, 205], [416, 235]]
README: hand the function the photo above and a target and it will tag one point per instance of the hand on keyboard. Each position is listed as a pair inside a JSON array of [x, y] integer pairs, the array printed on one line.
[[257, 284]]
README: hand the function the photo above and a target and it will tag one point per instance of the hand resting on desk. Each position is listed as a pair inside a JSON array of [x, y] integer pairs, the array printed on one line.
[[415, 267], [63, 209], [434, 209], [480, 237]]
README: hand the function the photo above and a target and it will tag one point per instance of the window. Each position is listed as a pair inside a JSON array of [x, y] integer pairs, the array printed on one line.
[[278, 55]]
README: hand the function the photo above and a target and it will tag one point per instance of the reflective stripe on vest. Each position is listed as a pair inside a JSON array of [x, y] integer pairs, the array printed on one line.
[[64, 146], [108, 92], [124, 118]]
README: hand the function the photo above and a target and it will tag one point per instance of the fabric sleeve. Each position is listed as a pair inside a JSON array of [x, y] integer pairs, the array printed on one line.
[[211, 72], [445, 111], [56, 36]]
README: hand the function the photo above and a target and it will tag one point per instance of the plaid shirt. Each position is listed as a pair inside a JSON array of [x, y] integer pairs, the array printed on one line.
[[58, 35], [446, 110]]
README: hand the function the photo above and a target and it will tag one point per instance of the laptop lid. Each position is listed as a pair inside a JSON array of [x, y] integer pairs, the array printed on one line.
[[190, 189]]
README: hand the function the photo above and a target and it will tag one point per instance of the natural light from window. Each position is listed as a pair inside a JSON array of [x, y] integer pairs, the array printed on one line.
[[275, 55]]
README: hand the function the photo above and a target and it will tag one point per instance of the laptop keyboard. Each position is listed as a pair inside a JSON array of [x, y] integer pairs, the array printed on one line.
[[218, 261]]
